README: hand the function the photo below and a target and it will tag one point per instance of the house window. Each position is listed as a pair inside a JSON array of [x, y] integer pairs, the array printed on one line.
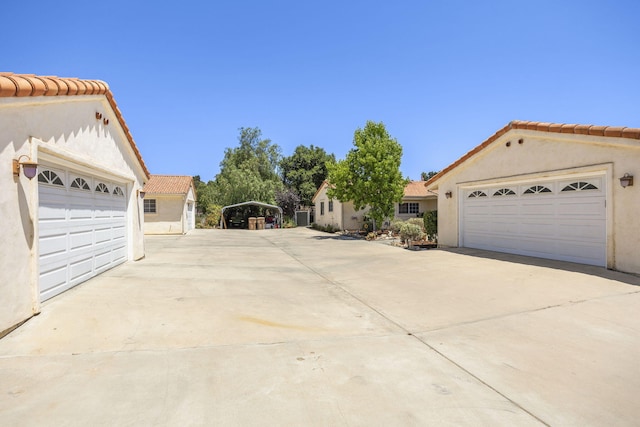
[[321, 208], [537, 189], [117, 191], [330, 205], [409, 208], [149, 205]]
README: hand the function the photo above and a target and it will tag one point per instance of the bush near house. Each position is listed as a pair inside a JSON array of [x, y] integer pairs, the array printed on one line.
[[431, 225], [410, 232]]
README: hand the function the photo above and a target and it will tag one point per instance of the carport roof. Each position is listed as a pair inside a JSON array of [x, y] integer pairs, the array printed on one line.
[[593, 130], [263, 205], [23, 85]]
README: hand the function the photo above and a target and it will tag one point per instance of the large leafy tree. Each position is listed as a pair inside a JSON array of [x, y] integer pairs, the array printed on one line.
[[370, 175], [305, 170], [204, 194], [426, 176], [249, 171]]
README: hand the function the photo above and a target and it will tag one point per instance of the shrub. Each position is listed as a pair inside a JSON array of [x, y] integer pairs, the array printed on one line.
[[410, 232], [417, 221], [395, 225], [431, 225], [372, 236], [289, 223]]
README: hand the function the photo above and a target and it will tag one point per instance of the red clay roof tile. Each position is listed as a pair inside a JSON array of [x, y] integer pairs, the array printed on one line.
[[169, 184], [415, 189], [608, 131], [21, 85]]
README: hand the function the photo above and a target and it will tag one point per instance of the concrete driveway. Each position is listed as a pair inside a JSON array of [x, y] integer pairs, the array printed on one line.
[[298, 328]]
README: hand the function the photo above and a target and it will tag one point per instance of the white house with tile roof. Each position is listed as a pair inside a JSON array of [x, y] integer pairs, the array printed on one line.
[[169, 205], [342, 216], [557, 191], [71, 175], [416, 201]]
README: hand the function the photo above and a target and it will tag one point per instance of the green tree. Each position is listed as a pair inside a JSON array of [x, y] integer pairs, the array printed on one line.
[[305, 170], [370, 175], [249, 171], [426, 176], [204, 194]]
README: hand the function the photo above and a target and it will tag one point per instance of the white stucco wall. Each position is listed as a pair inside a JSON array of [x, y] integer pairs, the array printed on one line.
[[64, 131], [544, 155]]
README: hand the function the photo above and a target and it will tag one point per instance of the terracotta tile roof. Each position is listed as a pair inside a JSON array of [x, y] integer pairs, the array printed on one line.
[[22, 85], [416, 189], [169, 184], [593, 130]]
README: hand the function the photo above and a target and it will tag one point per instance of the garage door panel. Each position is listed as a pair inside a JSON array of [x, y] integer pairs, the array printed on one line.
[[581, 208], [52, 244], [79, 231], [103, 260], [569, 225], [53, 212], [80, 240], [119, 255], [52, 280]]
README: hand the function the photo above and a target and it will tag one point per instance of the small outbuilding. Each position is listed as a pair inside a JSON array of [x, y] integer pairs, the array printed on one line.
[[169, 204], [71, 176], [557, 191]]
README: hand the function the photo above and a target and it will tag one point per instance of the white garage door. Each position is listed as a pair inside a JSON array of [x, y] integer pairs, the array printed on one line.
[[563, 219], [82, 228]]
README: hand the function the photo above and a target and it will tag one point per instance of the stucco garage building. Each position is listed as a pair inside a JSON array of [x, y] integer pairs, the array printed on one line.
[[546, 190], [80, 213], [169, 204]]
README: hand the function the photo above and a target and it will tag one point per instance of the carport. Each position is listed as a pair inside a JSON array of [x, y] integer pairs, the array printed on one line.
[[278, 209]]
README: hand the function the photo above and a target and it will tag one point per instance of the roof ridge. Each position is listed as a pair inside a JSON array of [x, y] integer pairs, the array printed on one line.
[[576, 129], [25, 85]]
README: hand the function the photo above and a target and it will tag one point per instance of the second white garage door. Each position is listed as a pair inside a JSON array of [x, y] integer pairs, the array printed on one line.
[[82, 228], [563, 219]]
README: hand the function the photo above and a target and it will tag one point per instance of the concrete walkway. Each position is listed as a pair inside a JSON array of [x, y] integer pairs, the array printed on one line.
[[298, 328]]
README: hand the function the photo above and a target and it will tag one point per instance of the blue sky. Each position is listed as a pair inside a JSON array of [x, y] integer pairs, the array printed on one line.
[[442, 75]]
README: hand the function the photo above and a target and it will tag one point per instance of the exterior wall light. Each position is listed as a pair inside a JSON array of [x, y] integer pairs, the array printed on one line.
[[626, 180], [448, 194], [141, 194], [29, 167]]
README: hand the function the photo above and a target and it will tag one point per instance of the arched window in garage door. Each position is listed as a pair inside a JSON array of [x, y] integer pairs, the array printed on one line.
[[579, 186], [80, 184], [504, 192], [102, 188], [537, 189], [50, 177]]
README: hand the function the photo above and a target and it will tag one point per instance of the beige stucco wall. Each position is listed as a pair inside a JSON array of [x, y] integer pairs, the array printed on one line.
[[543, 155], [63, 131], [170, 216], [343, 216], [425, 205]]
